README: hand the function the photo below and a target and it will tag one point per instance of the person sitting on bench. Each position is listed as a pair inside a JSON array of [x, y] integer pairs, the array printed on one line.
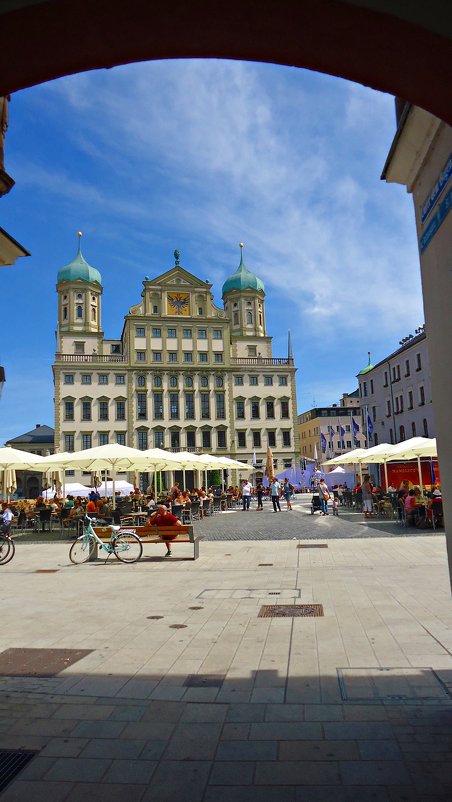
[[161, 517]]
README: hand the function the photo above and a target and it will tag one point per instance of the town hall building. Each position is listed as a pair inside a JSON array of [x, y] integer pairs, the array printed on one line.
[[185, 375]]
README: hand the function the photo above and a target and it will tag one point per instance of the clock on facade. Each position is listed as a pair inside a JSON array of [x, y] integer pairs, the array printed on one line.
[[178, 303]]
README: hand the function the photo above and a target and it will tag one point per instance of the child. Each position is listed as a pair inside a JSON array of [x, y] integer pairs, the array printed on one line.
[[336, 505]]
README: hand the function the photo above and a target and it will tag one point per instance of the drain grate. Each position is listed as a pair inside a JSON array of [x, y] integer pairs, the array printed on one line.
[[46, 571], [11, 763], [313, 546], [178, 626], [265, 565], [154, 617], [196, 608], [290, 610], [204, 680], [38, 662]]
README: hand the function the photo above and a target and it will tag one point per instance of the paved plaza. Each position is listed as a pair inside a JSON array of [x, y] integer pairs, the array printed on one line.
[[162, 680]]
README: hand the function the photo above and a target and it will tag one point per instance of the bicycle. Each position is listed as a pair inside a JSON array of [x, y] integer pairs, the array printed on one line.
[[126, 546], [7, 548]]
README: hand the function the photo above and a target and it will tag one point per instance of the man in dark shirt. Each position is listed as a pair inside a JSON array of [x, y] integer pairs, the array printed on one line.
[[161, 517]]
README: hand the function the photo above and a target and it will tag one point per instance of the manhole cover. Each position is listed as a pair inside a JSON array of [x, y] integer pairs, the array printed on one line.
[[290, 610], [204, 680], [178, 626], [155, 617], [46, 571], [11, 763], [38, 662], [391, 685], [313, 546], [274, 593]]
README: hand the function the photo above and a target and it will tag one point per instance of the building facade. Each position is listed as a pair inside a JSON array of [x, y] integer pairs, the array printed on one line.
[[327, 432], [185, 375], [396, 394]]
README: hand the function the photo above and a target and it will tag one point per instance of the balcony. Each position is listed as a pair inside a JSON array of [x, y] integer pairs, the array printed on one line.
[[261, 360], [90, 358]]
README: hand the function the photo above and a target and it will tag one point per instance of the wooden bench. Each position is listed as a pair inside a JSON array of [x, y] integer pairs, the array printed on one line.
[[156, 534]]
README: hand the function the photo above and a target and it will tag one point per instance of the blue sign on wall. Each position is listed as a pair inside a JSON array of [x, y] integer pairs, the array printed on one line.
[[438, 218], [430, 202]]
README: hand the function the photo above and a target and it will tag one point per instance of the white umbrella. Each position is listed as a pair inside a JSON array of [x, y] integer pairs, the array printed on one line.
[[377, 454], [12, 459], [349, 458], [415, 448]]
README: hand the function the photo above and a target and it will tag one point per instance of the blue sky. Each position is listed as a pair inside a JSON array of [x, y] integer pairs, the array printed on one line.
[[199, 156]]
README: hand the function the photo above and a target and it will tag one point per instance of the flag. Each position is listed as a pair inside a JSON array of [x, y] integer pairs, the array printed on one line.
[[254, 459], [342, 432], [370, 426], [432, 473], [331, 432], [315, 452], [323, 441], [355, 428]]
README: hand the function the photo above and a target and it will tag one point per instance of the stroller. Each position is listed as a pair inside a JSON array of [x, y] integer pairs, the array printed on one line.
[[315, 503]]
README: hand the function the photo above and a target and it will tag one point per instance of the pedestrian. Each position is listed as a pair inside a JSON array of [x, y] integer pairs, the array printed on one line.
[[275, 489], [5, 520], [324, 495], [336, 505], [287, 492], [247, 489], [260, 492], [366, 489]]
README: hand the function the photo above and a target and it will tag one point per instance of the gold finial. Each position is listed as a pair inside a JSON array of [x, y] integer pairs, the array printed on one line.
[[79, 234], [241, 245]]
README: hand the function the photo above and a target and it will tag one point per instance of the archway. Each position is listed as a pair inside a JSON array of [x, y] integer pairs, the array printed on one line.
[[404, 51]]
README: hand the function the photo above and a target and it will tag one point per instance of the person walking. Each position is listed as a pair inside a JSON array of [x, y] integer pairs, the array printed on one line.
[[287, 493], [247, 488], [260, 493], [324, 495], [366, 489], [275, 489]]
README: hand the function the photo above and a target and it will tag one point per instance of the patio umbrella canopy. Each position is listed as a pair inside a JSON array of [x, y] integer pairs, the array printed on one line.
[[415, 448], [349, 458], [12, 459]]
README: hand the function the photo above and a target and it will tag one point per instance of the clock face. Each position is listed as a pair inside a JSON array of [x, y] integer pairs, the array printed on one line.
[[178, 303]]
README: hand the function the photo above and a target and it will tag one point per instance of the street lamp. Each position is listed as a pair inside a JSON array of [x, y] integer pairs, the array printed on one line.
[[2, 379]]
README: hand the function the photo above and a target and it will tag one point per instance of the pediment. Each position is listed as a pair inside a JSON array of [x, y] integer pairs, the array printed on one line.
[[179, 277]]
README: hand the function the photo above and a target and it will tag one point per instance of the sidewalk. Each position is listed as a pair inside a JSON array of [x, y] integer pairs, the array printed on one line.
[[180, 691]]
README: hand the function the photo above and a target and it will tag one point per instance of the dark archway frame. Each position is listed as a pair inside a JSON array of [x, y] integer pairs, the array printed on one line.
[[49, 39]]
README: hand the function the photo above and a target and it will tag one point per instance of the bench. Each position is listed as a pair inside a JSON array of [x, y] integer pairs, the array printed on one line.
[[156, 534]]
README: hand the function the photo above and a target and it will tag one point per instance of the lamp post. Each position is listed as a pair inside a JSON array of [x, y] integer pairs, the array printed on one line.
[[2, 379]]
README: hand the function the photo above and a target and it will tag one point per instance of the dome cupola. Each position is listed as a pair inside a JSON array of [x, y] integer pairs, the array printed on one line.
[[242, 279], [79, 269]]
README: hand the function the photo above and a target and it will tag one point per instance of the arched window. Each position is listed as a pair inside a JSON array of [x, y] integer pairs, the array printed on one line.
[[93, 314], [249, 317], [64, 312], [236, 318], [79, 312], [402, 434]]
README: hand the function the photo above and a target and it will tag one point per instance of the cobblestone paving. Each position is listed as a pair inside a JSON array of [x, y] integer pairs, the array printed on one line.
[[297, 524], [352, 706]]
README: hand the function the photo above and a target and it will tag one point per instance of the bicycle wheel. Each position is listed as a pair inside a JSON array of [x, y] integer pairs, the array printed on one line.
[[82, 549], [7, 549], [127, 547]]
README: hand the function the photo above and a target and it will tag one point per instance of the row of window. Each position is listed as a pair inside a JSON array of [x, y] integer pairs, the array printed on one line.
[[176, 403], [316, 430], [187, 334], [365, 389], [103, 378], [403, 432], [398, 407], [173, 356], [257, 439], [255, 409], [154, 439]]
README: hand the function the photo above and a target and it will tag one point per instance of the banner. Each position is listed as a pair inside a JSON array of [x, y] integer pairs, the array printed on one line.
[[323, 441]]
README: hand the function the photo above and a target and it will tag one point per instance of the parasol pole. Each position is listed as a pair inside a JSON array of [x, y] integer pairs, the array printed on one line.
[[420, 474]]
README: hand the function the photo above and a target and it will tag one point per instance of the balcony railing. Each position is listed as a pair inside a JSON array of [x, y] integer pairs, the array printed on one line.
[[260, 360], [93, 358]]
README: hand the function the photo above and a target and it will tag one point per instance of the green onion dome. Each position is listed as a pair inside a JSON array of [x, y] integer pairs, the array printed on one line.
[[79, 270], [242, 279]]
